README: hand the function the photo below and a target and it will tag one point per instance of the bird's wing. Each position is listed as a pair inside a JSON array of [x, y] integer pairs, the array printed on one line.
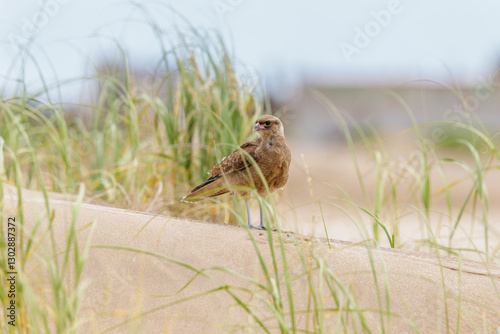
[[238, 160]]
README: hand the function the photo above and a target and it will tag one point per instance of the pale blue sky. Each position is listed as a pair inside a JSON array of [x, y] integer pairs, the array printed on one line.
[[284, 41]]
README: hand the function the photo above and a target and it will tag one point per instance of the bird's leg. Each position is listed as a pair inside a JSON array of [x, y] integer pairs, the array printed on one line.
[[261, 226], [248, 215]]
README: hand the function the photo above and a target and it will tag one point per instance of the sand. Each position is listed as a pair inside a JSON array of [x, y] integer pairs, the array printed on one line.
[[424, 291]]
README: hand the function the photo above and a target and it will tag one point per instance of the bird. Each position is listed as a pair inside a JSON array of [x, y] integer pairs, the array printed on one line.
[[261, 164]]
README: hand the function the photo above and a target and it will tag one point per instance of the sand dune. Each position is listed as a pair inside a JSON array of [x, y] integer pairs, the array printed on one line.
[[424, 291]]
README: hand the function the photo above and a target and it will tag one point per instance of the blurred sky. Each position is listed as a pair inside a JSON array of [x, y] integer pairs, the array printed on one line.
[[286, 42]]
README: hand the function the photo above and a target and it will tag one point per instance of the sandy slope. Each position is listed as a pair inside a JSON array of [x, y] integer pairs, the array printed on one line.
[[123, 284]]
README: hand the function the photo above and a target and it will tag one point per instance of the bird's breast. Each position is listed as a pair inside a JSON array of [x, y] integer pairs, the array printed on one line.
[[274, 162]]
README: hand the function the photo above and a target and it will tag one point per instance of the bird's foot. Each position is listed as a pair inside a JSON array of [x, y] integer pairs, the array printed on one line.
[[260, 227]]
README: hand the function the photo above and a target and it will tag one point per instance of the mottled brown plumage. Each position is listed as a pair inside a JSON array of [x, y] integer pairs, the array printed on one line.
[[240, 171]]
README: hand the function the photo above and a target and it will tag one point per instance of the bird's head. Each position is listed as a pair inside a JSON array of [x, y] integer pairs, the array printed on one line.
[[269, 126]]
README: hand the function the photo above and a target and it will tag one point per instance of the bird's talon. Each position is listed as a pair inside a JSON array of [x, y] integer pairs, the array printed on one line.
[[260, 227]]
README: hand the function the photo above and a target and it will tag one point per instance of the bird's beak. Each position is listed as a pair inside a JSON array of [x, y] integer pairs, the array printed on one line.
[[258, 127]]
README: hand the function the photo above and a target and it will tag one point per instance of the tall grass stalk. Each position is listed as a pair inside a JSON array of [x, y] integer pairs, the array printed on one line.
[[37, 310]]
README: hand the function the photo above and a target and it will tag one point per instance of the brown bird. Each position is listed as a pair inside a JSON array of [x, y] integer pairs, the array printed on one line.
[[240, 171]]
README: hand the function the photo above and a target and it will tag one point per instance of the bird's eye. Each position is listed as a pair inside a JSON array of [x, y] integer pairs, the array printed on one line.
[[268, 123]]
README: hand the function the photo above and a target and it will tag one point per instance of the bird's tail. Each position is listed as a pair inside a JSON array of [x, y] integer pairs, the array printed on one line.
[[212, 187]]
